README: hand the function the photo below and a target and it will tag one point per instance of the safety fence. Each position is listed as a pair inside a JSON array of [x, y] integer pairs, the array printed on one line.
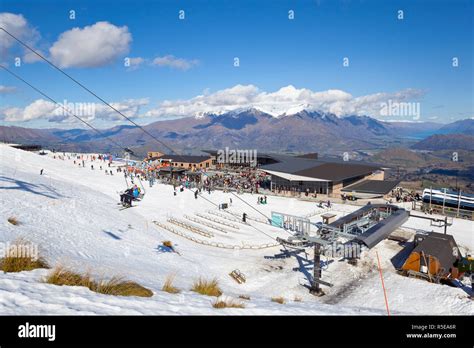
[[316, 212], [226, 223], [190, 227], [215, 244], [226, 216], [206, 223], [263, 221]]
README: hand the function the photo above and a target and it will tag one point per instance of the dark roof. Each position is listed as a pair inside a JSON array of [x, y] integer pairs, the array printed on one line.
[[312, 155], [289, 164], [326, 168], [28, 147], [337, 171], [372, 186], [185, 158], [440, 246]]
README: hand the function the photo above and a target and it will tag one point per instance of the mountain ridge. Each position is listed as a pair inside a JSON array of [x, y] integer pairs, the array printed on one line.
[[245, 128]]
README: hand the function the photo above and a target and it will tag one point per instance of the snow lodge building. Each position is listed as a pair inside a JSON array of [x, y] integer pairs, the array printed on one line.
[[182, 161], [326, 176]]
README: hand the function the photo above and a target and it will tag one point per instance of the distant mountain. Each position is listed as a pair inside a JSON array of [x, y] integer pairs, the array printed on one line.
[[254, 129], [251, 128], [415, 130], [399, 157], [459, 127], [28, 135], [446, 142]]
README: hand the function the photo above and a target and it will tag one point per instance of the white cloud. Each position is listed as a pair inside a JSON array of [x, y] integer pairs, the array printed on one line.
[[7, 89], [46, 110], [92, 46], [18, 26], [31, 57], [285, 100], [171, 61], [38, 109], [135, 62], [129, 107]]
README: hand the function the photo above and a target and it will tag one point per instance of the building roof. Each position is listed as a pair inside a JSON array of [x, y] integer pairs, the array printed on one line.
[[440, 246], [327, 169], [311, 155], [381, 187], [337, 171], [293, 177], [185, 158], [289, 164]]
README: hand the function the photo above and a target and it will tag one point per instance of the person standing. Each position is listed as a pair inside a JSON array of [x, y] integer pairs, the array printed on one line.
[[41, 171]]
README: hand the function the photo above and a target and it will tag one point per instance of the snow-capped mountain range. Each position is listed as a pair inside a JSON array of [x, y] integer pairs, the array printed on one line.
[[298, 129]]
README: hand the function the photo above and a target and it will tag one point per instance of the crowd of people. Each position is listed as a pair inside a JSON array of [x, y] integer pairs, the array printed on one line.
[[401, 195], [239, 180]]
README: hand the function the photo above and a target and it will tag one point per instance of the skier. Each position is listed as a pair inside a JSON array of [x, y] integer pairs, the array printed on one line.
[[126, 197], [244, 217], [196, 194], [136, 192], [92, 167], [41, 171]]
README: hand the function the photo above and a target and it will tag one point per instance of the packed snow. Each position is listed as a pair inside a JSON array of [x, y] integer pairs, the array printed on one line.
[[71, 212]]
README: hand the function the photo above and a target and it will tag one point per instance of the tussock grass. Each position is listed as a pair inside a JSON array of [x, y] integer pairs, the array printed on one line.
[[19, 257], [116, 286], [207, 287], [279, 300], [168, 285], [219, 304], [244, 297], [13, 220], [63, 276]]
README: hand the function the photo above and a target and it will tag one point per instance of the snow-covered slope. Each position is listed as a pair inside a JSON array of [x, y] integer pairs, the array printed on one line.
[[72, 213]]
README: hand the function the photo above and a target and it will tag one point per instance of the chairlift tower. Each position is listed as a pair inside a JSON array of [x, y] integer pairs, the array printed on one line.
[[368, 226]]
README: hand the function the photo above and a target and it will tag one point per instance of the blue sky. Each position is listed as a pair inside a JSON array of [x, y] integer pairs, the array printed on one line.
[[404, 60]]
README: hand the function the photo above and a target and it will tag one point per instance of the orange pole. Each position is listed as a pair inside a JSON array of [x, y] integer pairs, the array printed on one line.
[[383, 285]]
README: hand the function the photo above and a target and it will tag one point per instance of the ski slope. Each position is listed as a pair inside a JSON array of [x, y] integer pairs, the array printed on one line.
[[71, 212]]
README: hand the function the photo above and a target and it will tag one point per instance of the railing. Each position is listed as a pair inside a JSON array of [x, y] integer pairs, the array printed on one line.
[[206, 223], [190, 227], [214, 244], [229, 224]]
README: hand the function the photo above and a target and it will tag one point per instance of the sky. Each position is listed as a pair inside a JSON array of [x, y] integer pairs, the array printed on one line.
[[344, 57]]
